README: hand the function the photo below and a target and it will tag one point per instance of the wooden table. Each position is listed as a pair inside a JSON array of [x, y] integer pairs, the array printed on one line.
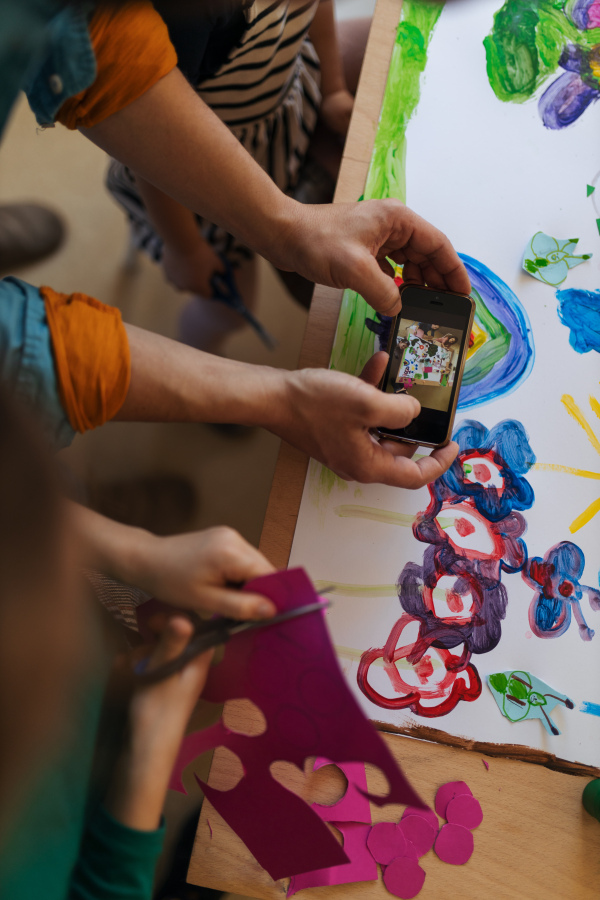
[[536, 840]]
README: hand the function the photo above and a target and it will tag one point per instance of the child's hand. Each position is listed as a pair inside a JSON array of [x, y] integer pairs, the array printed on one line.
[[201, 571], [336, 109], [192, 269], [158, 717]]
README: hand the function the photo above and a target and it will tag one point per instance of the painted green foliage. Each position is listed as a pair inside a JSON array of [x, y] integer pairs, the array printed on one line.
[[526, 45], [387, 173]]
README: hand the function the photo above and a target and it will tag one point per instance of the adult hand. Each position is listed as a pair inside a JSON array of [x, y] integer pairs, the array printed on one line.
[[191, 270], [330, 415], [345, 245], [336, 110]]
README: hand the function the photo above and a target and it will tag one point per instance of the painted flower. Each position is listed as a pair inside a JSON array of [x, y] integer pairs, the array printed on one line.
[[585, 14], [555, 579], [549, 259], [489, 469], [428, 680], [455, 603]]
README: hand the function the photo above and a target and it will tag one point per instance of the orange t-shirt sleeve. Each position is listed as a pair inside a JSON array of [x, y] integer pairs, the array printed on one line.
[[91, 354], [133, 51]]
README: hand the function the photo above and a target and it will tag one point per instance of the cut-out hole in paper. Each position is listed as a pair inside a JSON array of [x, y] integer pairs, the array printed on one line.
[[242, 716], [327, 786], [290, 671], [227, 769], [520, 695]]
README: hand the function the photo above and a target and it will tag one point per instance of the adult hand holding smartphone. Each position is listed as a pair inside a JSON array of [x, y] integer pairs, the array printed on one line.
[[427, 350]]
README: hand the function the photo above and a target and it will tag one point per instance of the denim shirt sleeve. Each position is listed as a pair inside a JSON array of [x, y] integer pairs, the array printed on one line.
[[26, 361], [68, 66]]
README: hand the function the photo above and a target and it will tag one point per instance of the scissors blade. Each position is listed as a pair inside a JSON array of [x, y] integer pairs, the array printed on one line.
[[252, 625]]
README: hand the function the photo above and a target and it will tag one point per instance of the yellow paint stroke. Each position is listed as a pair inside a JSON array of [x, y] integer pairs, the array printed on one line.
[[568, 470], [595, 405], [355, 656], [385, 516], [357, 590], [585, 516], [576, 413], [479, 339]]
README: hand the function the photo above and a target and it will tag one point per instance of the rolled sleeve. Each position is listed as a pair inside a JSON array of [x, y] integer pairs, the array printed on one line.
[[26, 357]]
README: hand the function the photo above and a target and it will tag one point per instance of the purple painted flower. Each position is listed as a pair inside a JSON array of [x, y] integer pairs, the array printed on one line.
[[585, 14], [565, 100]]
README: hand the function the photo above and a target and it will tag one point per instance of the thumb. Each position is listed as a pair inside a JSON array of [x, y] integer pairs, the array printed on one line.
[[377, 288], [374, 368]]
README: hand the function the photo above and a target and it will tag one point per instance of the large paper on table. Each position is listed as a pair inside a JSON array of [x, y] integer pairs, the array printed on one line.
[[494, 574]]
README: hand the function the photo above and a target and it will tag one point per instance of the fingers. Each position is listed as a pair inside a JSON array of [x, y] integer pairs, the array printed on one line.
[[238, 604], [374, 368], [392, 410], [399, 471], [375, 286], [172, 642]]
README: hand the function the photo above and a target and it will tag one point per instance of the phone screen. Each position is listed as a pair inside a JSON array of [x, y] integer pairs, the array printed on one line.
[[427, 347]]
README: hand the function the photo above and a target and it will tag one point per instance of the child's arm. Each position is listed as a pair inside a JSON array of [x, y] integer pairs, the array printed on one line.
[[188, 261], [337, 103]]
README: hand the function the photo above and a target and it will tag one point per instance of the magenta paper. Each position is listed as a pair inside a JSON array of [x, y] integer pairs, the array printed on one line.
[[290, 672], [362, 866], [353, 806]]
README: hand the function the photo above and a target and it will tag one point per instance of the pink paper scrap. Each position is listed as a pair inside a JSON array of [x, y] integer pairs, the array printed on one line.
[[386, 842], [362, 866], [464, 810], [427, 814], [353, 806], [446, 792], [486, 764], [419, 832], [404, 878], [454, 844], [289, 670]]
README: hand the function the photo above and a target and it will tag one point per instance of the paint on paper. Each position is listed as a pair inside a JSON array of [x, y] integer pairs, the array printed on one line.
[[454, 603], [559, 595], [520, 696], [532, 41], [579, 310], [549, 259]]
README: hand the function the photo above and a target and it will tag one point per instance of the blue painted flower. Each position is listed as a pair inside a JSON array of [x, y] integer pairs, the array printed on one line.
[[559, 593], [489, 469], [579, 310]]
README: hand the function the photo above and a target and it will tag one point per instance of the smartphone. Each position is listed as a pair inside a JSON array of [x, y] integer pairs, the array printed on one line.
[[428, 346]]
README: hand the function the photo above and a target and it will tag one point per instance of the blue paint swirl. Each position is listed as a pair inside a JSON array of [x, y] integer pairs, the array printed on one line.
[[511, 347]]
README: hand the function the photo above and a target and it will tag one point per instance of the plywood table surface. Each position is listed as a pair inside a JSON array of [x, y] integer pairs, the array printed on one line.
[[536, 841]]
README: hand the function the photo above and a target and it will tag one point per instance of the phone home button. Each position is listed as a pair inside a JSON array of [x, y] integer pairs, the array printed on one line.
[[412, 430]]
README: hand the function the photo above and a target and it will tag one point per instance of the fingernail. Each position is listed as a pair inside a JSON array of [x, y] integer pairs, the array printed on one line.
[[266, 610]]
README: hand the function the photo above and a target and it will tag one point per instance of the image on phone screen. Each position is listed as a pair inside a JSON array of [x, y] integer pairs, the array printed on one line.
[[424, 362]]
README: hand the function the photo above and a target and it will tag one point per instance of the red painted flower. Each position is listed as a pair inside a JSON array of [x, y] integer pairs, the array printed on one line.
[[428, 680]]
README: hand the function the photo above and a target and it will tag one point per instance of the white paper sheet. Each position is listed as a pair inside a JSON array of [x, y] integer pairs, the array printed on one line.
[[490, 175]]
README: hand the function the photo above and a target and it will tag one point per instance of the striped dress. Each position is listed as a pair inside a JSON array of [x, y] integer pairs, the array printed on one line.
[[267, 92]]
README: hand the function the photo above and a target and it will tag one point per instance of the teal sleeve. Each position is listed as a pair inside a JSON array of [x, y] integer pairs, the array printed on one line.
[[26, 360], [115, 862]]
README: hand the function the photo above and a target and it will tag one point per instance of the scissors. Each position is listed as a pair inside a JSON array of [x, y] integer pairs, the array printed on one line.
[[224, 290], [213, 632]]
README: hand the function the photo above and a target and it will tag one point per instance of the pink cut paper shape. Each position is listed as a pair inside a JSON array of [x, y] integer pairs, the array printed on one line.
[[419, 832], [427, 814], [454, 845], [352, 809], [386, 842], [464, 810], [290, 672], [404, 878], [446, 792], [362, 866], [353, 806]]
